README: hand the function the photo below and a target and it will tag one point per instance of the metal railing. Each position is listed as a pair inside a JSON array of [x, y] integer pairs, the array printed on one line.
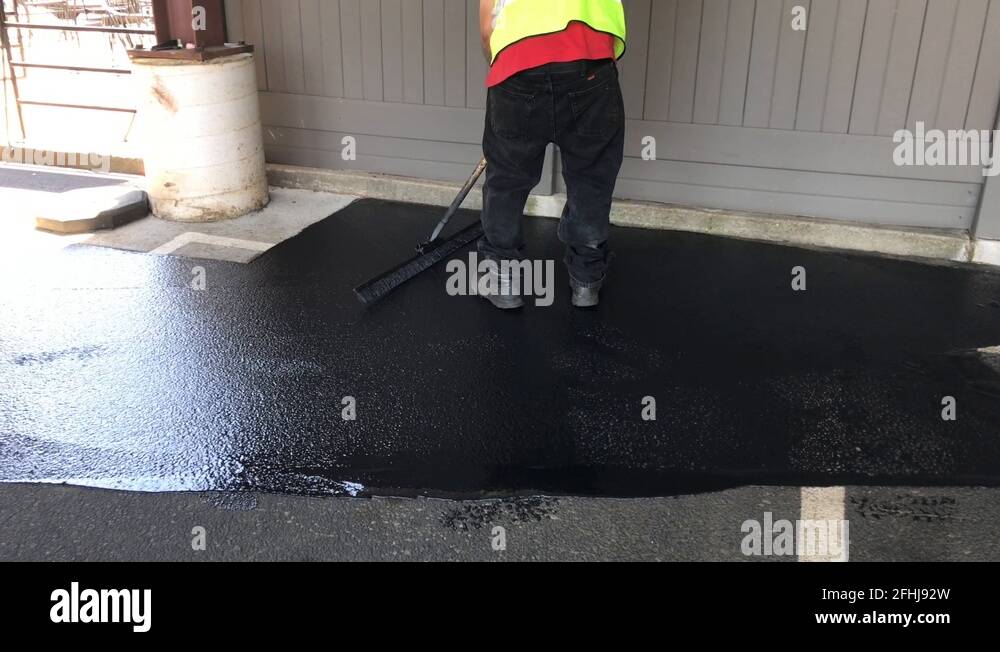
[[12, 64]]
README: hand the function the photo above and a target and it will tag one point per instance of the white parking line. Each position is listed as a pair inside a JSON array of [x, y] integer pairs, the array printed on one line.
[[191, 237], [825, 506]]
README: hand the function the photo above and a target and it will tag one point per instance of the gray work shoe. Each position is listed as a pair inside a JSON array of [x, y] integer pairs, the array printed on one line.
[[504, 285], [586, 295]]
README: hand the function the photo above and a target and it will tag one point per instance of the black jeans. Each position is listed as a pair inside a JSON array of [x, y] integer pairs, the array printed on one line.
[[578, 106]]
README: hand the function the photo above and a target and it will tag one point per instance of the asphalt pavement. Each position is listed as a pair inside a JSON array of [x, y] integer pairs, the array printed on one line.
[[154, 402], [56, 523]]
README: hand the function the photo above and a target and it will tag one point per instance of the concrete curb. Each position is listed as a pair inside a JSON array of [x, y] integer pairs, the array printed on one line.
[[919, 244], [987, 252], [93, 209]]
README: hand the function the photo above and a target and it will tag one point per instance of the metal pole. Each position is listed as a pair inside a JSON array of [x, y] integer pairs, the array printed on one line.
[[5, 41], [987, 222]]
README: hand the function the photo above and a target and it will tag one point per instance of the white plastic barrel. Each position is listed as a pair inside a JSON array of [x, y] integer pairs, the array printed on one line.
[[199, 125]]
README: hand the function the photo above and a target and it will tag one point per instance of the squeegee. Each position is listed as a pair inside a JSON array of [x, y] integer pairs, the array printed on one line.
[[429, 253]]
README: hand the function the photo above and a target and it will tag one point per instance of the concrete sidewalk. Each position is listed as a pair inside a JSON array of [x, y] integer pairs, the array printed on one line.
[[27, 192]]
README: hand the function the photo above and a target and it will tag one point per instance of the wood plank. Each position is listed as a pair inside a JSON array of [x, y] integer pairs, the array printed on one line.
[[434, 52], [985, 99], [234, 21], [362, 117], [273, 42], [374, 145], [663, 171], [988, 217], [791, 150], [413, 52], [333, 66], [291, 38], [371, 50], [711, 61], [816, 66], [844, 66], [988, 220], [633, 66], [768, 24], [932, 62], [902, 65], [732, 102], [873, 65], [963, 57], [788, 70], [350, 39], [685, 75], [312, 47], [766, 148], [253, 32], [476, 67], [455, 52], [663, 21], [392, 50], [418, 169], [845, 209], [816, 184]]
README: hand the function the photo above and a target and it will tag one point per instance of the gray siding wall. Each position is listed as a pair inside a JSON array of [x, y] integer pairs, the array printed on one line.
[[747, 113]]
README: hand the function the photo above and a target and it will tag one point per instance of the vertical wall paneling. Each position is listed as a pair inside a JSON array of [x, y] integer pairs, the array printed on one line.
[[371, 50], [413, 51], [901, 67], [932, 63], [633, 68], [291, 41], [392, 50], [748, 113], [711, 61], [476, 65], [870, 82], [739, 39], [686, 50], [312, 42], [455, 52], [350, 40], [816, 65], [986, 88], [844, 65], [960, 70], [434, 52], [331, 49], [788, 69], [274, 43], [768, 24], [660, 58]]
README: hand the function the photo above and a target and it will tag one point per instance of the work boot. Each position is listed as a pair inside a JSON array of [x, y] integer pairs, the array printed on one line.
[[504, 287], [586, 295]]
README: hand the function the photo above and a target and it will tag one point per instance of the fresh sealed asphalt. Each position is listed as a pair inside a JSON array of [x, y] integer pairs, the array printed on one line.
[[119, 374]]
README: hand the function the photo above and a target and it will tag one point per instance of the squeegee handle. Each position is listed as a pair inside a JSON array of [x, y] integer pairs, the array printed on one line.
[[459, 200]]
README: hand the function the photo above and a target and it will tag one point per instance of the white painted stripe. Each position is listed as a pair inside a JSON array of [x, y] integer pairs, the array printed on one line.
[[185, 239], [825, 506]]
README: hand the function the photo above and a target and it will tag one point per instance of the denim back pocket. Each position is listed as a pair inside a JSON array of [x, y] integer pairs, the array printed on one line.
[[510, 112], [597, 110]]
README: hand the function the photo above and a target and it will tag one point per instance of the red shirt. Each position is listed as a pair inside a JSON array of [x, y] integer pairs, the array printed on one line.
[[577, 42]]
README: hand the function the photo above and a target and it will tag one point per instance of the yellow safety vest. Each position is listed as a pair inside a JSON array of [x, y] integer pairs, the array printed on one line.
[[516, 20]]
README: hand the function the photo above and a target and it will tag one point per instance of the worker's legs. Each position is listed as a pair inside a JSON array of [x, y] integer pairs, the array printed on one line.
[[518, 129], [591, 137]]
